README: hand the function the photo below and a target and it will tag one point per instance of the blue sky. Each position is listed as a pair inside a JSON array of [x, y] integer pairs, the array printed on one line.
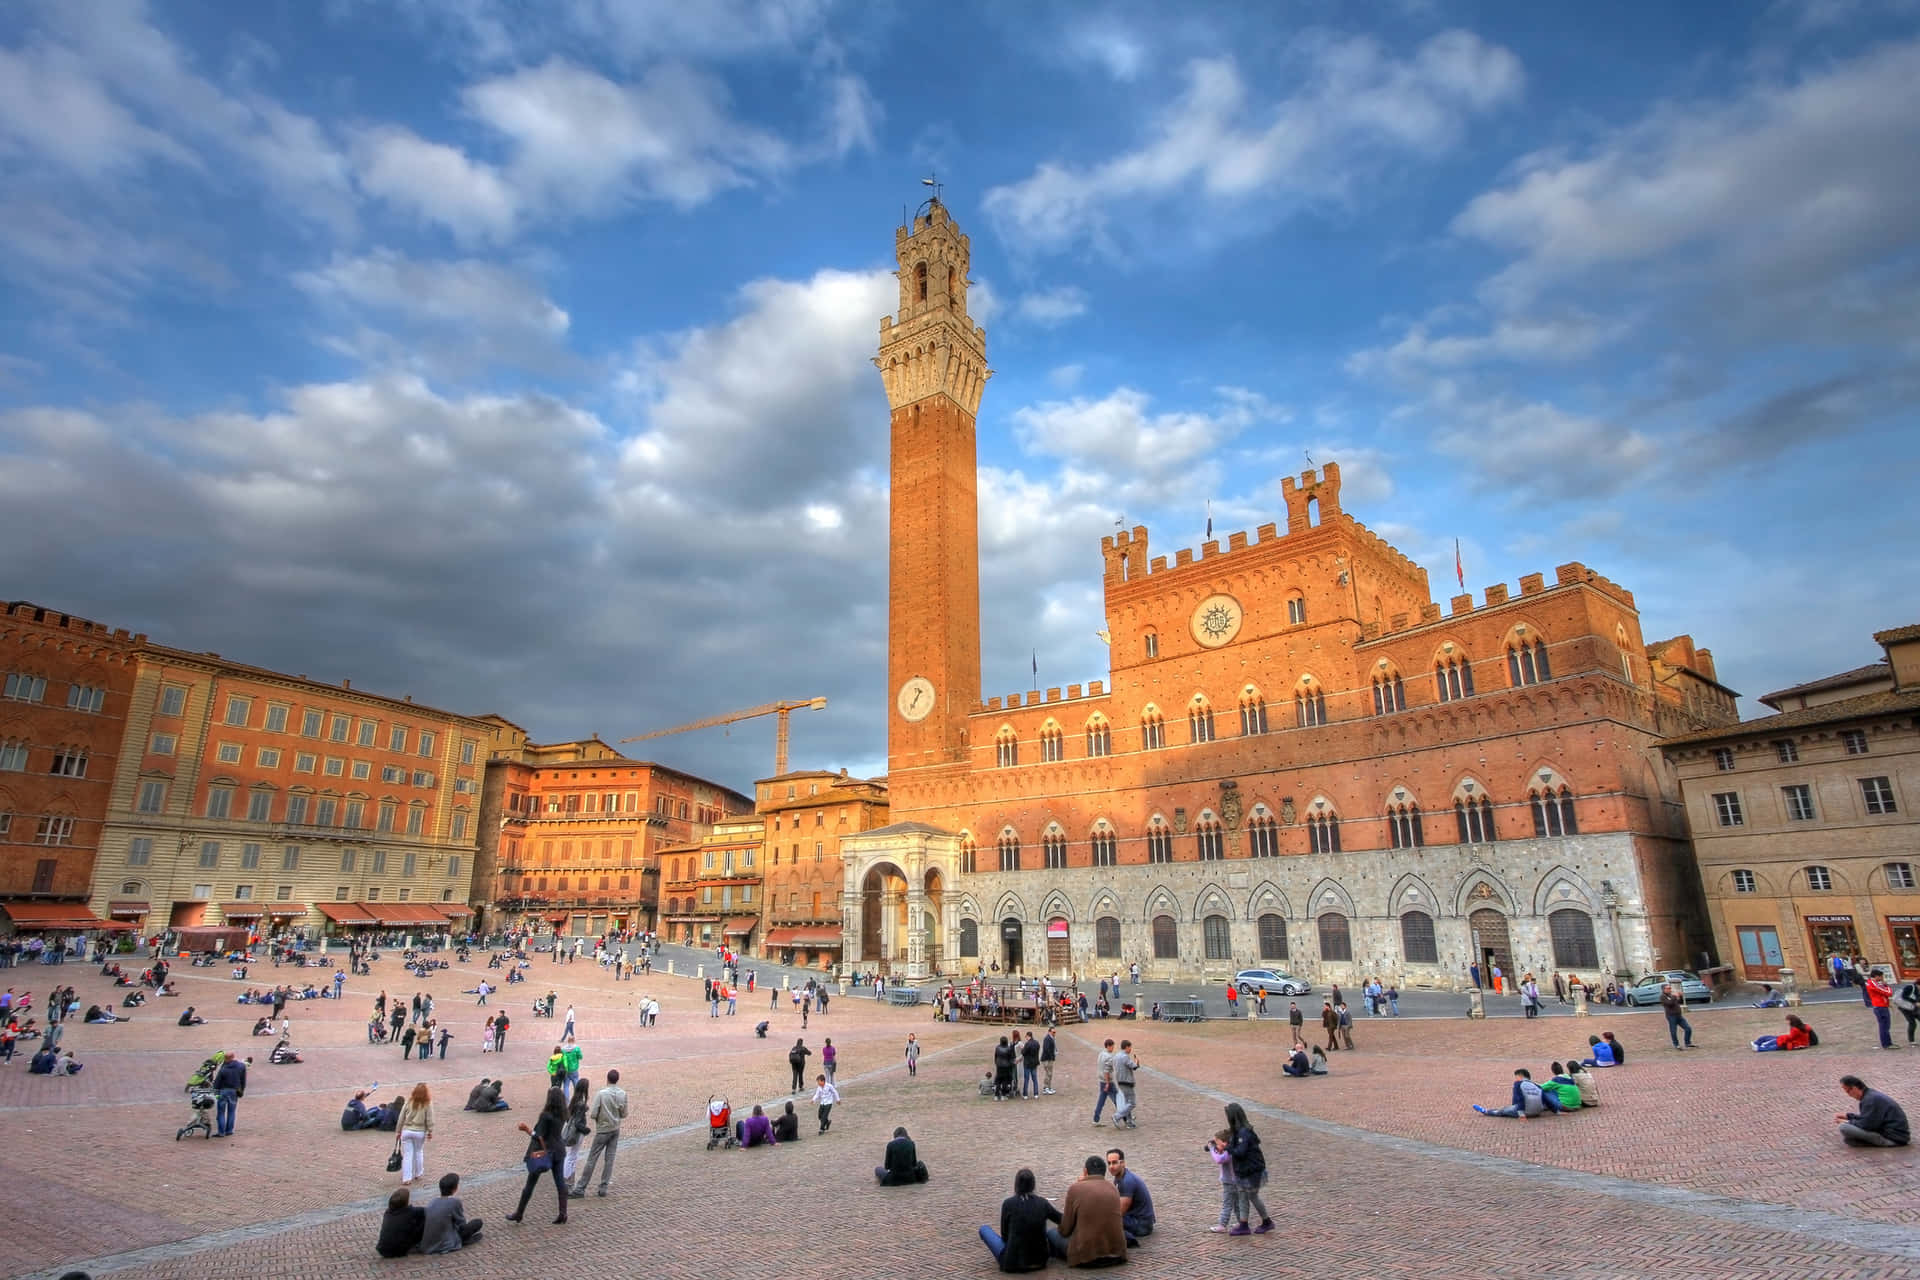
[[515, 356]]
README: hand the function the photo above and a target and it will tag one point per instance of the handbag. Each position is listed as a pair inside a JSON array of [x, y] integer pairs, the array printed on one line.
[[538, 1162], [393, 1158]]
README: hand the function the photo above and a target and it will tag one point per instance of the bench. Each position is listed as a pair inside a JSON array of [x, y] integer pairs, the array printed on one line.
[[1183, 1011]]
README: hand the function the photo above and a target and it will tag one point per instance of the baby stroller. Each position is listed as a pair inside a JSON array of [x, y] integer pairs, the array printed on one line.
[[201, 1099], [720, 1124]]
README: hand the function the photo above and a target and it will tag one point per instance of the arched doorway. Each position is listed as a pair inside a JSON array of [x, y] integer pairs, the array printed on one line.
[[1491, 944], [883, 919], [1010, 939], [930, 919]]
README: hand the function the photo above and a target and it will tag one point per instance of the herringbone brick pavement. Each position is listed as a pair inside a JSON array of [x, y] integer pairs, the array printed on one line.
[[1718, 1163]]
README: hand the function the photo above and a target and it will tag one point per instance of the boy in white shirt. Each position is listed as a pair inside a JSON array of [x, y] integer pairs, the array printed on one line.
[[824, 1096]]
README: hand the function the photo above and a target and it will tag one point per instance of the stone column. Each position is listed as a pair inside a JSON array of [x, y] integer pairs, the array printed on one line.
[[1790, 988], [889, 922], [916, 934], [850, 925], [1476, 1003], [1580, 1010]]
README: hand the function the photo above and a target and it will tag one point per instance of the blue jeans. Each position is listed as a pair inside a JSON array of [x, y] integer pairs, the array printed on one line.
[[996, 1246], [223, 1110], [1029, 1081], [1675, 1024], [1106, 1091], [1882, 1016]]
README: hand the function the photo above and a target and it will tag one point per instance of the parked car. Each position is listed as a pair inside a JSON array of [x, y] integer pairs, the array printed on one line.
[[1277, 983], [1647, 990]]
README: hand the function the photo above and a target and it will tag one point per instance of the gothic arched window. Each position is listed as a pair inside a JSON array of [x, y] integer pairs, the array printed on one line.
[[1403, 826], [920, 274]]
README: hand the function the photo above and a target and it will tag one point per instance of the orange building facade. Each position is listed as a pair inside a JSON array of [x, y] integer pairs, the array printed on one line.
[[713, 892], [67, 684], [807, 815], [1301, 760], [577, 832], [247, 796]]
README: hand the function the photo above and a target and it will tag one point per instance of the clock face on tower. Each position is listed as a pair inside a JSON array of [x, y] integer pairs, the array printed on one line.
[[1216, 621], [915, 700]]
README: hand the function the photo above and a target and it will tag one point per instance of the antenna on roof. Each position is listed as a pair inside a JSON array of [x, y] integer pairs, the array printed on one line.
[[932, 180]]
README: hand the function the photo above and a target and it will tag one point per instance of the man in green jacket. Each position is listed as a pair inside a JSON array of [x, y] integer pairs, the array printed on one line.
[[1563, 1088]]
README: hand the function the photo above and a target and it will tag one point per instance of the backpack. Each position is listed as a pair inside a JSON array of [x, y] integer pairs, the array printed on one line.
[[1813, 1038]]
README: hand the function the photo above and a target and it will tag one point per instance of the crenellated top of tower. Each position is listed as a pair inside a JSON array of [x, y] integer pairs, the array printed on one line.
[[932, 346]]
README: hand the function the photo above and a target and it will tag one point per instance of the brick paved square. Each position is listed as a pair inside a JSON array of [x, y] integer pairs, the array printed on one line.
[[1719, 1162]]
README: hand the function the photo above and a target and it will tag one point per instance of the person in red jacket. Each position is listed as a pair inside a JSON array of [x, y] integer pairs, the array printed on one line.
[[1798, 1035], [1878, 993]]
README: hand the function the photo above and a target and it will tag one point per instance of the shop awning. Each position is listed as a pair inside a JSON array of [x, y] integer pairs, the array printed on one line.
[[241, 910], [804, 936], [53, 915], [741, 926], [348, 913], [452, 911], [127, 908], [280, 910]]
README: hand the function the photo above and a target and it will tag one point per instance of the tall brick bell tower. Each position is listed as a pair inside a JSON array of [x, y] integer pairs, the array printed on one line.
[[933, 360]]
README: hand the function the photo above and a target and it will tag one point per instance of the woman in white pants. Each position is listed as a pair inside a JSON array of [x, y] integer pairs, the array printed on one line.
[[416, 1126]]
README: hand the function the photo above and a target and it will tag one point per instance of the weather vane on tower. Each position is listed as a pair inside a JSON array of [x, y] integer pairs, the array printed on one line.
[[932, 180]]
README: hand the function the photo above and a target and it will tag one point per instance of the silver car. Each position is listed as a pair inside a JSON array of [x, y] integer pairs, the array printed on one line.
[[1692, 990], [1276, 982]]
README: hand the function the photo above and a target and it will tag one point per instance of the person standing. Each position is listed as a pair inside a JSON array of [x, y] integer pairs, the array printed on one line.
[[797, 1059], [1674, 1005], [406, 1041], [1124, 1065], [1049, 1051], [416, 1126], [500, 1032], [543, 1154], [1346, 1023], [1233, 1000], [1393, 999], [1330, 1023], [913, 1055], [824, 1096], [574, 1132], [1907, 1001], [1103, 1071], [829, 1057], [1878, 993], [1295, 1020], [1559, 987], [1133, 971], [1473, 972], [1249, 1173], [230, 1085], [567, 1035], [1530, 997]]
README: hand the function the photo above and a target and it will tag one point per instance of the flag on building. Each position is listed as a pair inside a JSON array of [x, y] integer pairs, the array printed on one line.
[[1459, 569], [1209, 517]]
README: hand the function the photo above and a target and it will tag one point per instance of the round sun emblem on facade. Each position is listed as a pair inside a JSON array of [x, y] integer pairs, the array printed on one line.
[[1217, 621]]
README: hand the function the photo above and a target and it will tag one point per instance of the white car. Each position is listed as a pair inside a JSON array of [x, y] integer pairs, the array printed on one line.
[[1277, 983]]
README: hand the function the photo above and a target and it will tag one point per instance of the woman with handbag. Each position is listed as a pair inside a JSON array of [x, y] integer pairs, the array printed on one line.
[[543, 1146], [416, 1126]]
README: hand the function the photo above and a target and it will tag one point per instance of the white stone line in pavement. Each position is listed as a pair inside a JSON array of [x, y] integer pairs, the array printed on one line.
[[176, 1249], [1868, 1236]]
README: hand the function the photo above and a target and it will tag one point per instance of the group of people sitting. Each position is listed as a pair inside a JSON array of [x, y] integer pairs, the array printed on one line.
[[485, 1096], [1301, 1062], [442, 1226], [358, 1115], [1107, 1211], [97, 1013], [53, 1062], [1570, 1088], [762, 1130]]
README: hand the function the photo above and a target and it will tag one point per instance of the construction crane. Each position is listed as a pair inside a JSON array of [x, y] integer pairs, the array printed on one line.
[[779, 709]]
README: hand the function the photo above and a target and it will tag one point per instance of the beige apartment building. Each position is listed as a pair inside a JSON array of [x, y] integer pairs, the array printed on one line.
[[1803, 821], [249, 797], [807, 814]]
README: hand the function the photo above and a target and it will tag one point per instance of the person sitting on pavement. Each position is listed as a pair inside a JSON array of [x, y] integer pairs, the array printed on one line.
[[446, 1227], [1091, 1232], [786, 1126], [1619, 1050], [401, 1227], [1136, 1204], [1022, 1242], [134, 1000], [756, 1130], [1771, 999], [1602, 1053], [1798, 1035], [1563, 1088], [43, 1063], [1297, 1064], [97, 1014], [1529, 1100], [902, 1165], [1878, 1123], [1318, 1067], [191, 1019], [355, 1114], [264, 1027], [1589, 1088]]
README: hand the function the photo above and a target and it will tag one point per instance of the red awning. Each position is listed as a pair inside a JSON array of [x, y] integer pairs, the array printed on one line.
[[348, 913], [280, 909], [241, 910], [741, 926], [53, 915], [451, 911], [804, 936]]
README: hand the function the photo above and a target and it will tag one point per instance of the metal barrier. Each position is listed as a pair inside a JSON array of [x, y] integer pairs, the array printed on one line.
[[903, 996], [1183, 1010]]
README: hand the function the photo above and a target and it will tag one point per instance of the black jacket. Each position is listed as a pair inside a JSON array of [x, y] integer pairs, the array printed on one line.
[[1003, 1061], [232, 1075], [1882, 1115], [786, 1127], [1030, 1052], [900, 1162], [400, 1231], [1248, 1164], [1023, 1225], [1046, 1047]]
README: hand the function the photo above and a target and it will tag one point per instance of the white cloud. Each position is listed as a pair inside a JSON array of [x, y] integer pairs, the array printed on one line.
[[1519, 340], [1051, 307], [1066, 377], [713, 28], [465, 292], [435, 182], [1220, 143], [50, 103], [1119, 436], [1116, 51]]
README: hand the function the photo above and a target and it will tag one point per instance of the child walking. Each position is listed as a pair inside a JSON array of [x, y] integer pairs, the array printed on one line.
[[913, 1055], [824, 1096]]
